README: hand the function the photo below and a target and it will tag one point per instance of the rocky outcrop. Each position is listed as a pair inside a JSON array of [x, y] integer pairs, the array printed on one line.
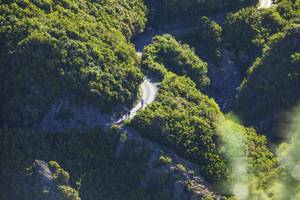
[[42, 177], [170, 176], [64, 114]]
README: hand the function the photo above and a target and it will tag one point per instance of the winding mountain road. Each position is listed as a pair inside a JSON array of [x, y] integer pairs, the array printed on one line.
[[265, 4], [149, 88], [148, 91]]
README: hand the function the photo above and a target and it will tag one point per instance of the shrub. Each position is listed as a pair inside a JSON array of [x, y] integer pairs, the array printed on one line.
[[165, 53]]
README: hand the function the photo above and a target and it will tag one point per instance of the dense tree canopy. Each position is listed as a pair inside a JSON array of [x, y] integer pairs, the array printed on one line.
[[245, 34], [166, 53], [88, 157], [207, 39], [289, 9], [179, 8], [185, 120], [81, 51], [248, 31], [50, 49], [191, 123], [273, 82]]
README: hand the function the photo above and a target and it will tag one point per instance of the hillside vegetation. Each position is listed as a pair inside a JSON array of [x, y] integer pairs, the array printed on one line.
[[273, 83], [191, 123], [68, 67], [271, 87], [248, 31], [189, 8], [166, 53], [185, 120], [89, 157], [55, 49]]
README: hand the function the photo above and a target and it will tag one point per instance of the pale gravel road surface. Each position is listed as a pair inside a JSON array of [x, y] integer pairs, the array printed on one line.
[[265, 4], [148, 88], [148, 93]]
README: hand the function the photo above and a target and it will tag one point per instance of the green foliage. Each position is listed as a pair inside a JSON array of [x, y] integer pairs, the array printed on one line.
[[51, 49], [89, 157], [179, 8], [61, 179], [165, 53], [266, 40], [190, 123], [289, 160], [288, 157], [245, 34], [272, 85], [41, 181], [68, 193], [253, 166], [289, 9], [211, 31], [248, 31], [272, 20], [207, 39], [185, 120], [60, 176], [165, 160], [181, 168]]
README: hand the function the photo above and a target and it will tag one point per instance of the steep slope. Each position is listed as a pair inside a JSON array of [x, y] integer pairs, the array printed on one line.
[[110, 165], [187, 121], [168, 10], [273, 83], [68, 60], [167, 53], [75, 50], [247, 32]]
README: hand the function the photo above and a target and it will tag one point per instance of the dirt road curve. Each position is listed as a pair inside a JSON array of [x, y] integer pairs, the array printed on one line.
[[265, 4]]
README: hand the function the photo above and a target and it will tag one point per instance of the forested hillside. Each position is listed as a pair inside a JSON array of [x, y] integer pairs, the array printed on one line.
[[149, 100], [166, 53], [90, 157], [177, 8], [190, 122], [273, 83], [271, 87], [61, 49]]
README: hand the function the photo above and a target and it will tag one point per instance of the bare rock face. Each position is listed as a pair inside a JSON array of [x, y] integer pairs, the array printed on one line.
[[43, 177], [64, 114], [167, 175]]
